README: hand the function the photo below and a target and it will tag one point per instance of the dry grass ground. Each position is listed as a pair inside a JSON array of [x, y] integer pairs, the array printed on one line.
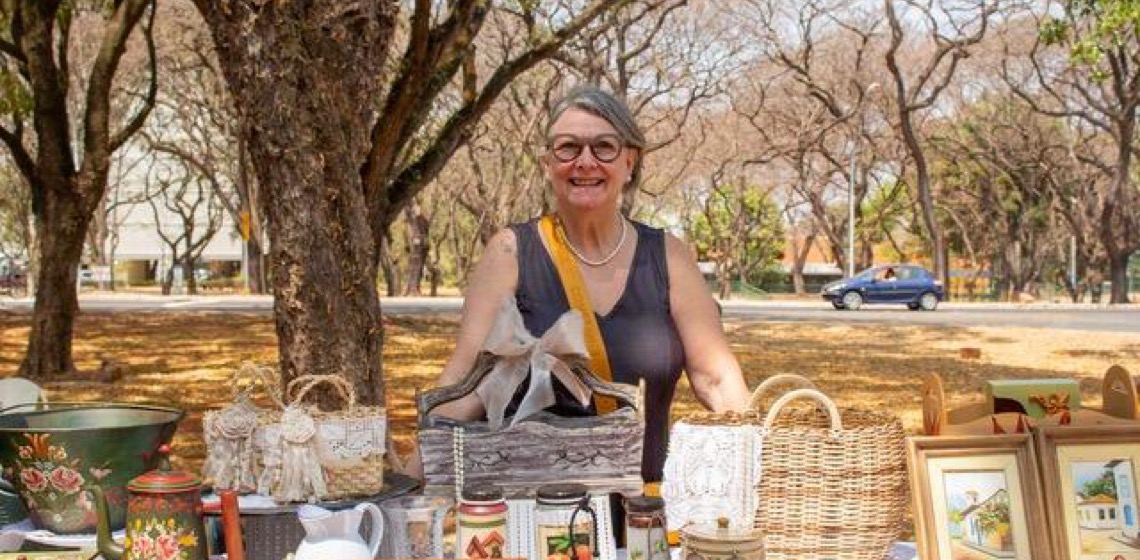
[[185, 360]]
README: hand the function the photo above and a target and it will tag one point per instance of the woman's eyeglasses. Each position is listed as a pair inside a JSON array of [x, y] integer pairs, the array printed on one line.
[[605, 148]]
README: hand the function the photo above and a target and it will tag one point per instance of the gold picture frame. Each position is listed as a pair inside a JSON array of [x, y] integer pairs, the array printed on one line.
[[977, 497], [1089, 475]]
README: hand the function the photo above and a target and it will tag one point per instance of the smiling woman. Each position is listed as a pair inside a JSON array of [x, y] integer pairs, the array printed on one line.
[[637, 287]]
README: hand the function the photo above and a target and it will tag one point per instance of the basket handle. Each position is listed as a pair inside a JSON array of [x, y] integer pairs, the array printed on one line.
[[257, 374], [307, 382], [828, 405], [778, 379]]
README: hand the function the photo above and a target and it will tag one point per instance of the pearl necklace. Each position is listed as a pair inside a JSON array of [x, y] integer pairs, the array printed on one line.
[[603, 260]]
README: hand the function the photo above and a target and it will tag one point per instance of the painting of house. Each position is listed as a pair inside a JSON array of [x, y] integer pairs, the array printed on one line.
[[1105, 501], [1126, 498], [987, 524], [979, 515], [1097, 512]]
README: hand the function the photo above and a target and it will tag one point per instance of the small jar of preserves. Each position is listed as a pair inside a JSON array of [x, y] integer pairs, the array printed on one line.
[[565, 523], [645, 535], [481, 522]]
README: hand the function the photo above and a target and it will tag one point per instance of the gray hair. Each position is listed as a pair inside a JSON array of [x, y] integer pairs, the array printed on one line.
[[602, 104]]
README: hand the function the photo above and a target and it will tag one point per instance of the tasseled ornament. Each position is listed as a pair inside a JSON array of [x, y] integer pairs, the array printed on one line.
[[301, 474], [231, 463]]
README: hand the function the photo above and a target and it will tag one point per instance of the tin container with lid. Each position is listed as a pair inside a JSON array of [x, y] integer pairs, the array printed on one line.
[[645, 535], [720, 542], [481, 522], [566, 525]]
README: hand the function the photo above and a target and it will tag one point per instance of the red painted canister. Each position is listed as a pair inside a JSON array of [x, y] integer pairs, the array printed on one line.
[[481, 523]]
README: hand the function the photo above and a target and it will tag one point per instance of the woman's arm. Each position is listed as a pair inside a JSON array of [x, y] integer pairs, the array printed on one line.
[[495, 278], [713, 371]]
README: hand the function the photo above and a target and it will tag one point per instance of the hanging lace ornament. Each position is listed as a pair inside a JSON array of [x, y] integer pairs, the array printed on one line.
[[231, 462], [301, 475]]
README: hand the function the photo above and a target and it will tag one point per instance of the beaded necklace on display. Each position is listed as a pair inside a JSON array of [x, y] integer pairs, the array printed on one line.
[[457, 458], [603, 260]]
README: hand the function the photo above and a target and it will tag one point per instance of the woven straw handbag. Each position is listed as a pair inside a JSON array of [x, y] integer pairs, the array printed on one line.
[[232, 461], [833, 485], [311, 454]]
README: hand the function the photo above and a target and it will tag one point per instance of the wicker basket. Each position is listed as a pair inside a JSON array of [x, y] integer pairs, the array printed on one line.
[[833, 486], [232, 462], [360, 474]]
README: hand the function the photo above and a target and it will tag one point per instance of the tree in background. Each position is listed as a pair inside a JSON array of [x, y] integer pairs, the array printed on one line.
[[342, 137], [1083, 66], [66, 172], [950, 30]]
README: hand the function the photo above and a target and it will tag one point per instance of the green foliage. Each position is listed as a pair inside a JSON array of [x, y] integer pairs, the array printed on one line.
[[1091, 28], [15, 97], [1105, 485], [746, 216], [993, 517]]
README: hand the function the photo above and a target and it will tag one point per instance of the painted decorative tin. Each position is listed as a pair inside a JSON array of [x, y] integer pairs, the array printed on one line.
[[481, 520], [565, 523], [645, 535], [705, 542], [164, 517], [50, 454]]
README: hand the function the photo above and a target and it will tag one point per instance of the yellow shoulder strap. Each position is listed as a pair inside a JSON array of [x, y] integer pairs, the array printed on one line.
[[580, 300]]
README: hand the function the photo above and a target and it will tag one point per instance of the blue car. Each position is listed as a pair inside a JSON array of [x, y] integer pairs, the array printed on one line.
[[913, 285]]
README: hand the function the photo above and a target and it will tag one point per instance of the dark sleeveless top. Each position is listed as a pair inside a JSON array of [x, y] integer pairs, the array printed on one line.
[[641, 340]]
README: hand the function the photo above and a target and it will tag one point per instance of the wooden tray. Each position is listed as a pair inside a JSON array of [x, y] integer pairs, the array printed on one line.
[[1119, 407]]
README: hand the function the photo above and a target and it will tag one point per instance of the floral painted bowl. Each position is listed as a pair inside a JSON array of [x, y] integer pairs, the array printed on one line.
[[51, 452]]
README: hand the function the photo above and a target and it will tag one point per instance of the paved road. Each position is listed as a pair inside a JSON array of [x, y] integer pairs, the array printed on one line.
[[1086, 318]]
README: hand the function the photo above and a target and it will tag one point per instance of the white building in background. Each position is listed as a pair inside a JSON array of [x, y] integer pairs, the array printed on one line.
[[142, 257]]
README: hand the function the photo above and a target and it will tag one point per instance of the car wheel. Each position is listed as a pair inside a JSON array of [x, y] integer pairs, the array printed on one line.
[[912, 306], [928, 301], [852, 300], [837, 305]]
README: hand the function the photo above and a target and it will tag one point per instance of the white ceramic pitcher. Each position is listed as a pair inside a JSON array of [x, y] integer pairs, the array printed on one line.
[[335, 535]]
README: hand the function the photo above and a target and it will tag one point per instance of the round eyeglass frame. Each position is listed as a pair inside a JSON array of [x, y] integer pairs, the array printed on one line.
[[582, 144]]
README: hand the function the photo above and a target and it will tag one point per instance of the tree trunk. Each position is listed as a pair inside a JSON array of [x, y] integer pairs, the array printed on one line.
[[418, 248], [1118, 272], [168, 279], [799, 258], [188, 274], [391, 275], [253, 265], [61, 229], [305, 77]]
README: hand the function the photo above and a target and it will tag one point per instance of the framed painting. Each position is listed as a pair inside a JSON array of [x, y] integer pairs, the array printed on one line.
[[977, 498], [1089, 477]]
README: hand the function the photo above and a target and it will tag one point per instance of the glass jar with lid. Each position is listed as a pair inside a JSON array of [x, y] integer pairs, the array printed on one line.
[[645, 535], [481, 522], [565, 523]]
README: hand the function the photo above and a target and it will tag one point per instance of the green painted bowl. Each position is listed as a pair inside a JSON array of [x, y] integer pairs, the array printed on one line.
[[51, 453]]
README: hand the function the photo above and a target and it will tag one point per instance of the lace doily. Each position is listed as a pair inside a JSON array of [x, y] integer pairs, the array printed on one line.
[[711, 472], [345, 441]]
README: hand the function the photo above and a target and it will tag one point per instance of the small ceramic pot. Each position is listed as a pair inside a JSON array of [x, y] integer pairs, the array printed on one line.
[[706, 542]]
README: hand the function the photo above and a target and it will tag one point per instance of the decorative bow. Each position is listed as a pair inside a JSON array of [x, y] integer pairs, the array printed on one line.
[[519, 352], [1052, 403]]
